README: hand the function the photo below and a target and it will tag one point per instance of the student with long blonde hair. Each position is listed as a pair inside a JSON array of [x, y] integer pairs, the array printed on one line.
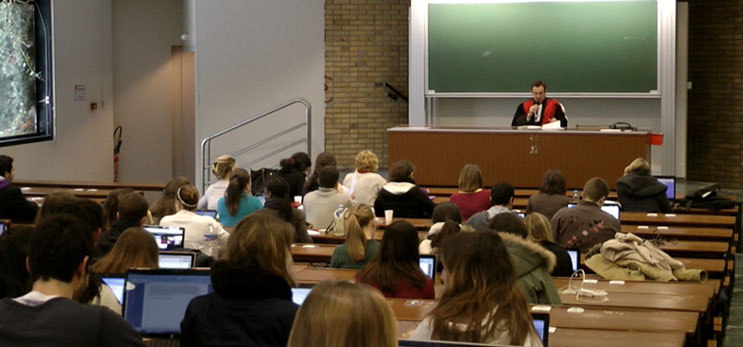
[[365, 183], [252, 300], [360, 247], [538, 227], [339, 313], [221, 168], [481, 302]]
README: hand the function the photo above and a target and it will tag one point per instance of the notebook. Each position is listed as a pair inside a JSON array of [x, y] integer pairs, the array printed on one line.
[[155, 300], [608, 208], [541, 323], [427, 264], [670, 183], [299, 294], [116, 283], [574, 258], [208, 213], [176, 260], [167, 238]]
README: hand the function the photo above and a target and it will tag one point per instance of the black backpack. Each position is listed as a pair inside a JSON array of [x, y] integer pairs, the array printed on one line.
[[706, 198], [259, 178]]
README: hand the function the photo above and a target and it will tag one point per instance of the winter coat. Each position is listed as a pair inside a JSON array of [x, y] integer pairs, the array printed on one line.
[[532, 264], [406, 199], [640, 192]]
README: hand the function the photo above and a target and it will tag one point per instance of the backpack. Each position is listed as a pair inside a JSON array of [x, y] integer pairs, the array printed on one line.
[[706, 198], [338, 226], [259, 178]]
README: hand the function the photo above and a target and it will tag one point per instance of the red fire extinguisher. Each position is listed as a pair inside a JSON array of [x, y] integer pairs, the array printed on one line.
[[117, 148]]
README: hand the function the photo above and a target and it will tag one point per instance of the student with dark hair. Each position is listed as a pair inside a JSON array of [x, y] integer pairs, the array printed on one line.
[[395, 270], [199, 229], [47, 316], [165, 204], [89, 212], [14, 245], [551, 195], [322, 203], [638, 191], [322, 160], [481, 301], [278, 204], [442, 213], [586, 224], [402, 195], [52, 203], [237, 203], [132, 213], [539, 110], [470, 197], [532, 263], [360, 246], [111, 205], [252, 300], [501, 198], [294, 171], [13, 205]]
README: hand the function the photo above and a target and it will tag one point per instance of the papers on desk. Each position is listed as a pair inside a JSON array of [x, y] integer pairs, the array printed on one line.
[[548, 126], [528, 127], [316, 232]]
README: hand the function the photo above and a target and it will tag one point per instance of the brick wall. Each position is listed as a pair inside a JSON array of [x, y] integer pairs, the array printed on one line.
[[715, 108], [366, 45]]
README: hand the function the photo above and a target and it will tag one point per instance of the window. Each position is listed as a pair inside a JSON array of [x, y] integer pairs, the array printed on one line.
[[26, 102]]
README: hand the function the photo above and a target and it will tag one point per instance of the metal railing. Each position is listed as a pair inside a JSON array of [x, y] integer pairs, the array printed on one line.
[[206, 143]]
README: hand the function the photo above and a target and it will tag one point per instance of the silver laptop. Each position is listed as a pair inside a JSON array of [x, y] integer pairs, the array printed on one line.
[[176, 260], [167, 238]]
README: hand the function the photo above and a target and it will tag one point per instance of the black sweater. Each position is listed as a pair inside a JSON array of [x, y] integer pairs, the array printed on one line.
[[642, 193], [14, 206]]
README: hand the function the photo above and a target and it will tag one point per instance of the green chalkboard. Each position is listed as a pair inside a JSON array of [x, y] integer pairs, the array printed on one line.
[[575, 47]]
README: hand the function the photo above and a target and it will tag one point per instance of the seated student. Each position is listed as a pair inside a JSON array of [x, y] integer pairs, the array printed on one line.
[[252, 300], [278, 204], [237, 202], [551, 195], [433, 243], [481, 301], [532, 263], [501, 198], [111, 205], [360, 246], [52, 203], [402, 195], [395, 270], [47, 316], [586, 224], [538, 227], [13, 205], [221, 168], [471, 198], [639, 191], [14, 279], [365, 183], [199, 230], [294, 171], [441, 214], [165, 204], [135, 248], [132, 213], [339, 313], [324, 159], [321, 204]]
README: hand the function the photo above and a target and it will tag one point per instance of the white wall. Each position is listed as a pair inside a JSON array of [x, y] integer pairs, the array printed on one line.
[[143, 33], [82, 148], [250, 57]]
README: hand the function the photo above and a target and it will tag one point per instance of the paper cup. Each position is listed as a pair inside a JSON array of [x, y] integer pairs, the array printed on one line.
[[298, 199], [388, 216]]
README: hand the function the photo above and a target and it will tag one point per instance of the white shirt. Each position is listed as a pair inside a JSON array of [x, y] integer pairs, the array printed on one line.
[[197, 227], [366, 187], [34, 298], [212, 194]]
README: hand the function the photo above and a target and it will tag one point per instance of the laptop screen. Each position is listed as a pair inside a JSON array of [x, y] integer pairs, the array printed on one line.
[[175, 260], [2, 228], [428, 265], [208, 213], [167, 238], [608, 208], [574, 258], [299, 294], [155, 301], [116, 284], [541, 323], [670, 183]]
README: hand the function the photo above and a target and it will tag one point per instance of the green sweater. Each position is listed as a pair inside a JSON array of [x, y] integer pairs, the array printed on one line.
[[341, 258]]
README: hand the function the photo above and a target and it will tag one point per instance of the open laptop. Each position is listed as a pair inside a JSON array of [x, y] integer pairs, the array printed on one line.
[[670, 183], [155, 300], [3, 226], [574, 258], [115, 282], [611, 209], [299, 294], [427, 264], [541, 323], [176, 260], [167, 238], [208, 213]]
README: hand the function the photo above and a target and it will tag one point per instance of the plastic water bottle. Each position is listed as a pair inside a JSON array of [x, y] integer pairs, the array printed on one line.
[[338, 219], [211, 246]]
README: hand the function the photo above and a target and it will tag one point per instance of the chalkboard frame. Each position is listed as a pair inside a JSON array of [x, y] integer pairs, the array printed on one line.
[[428, 93]]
